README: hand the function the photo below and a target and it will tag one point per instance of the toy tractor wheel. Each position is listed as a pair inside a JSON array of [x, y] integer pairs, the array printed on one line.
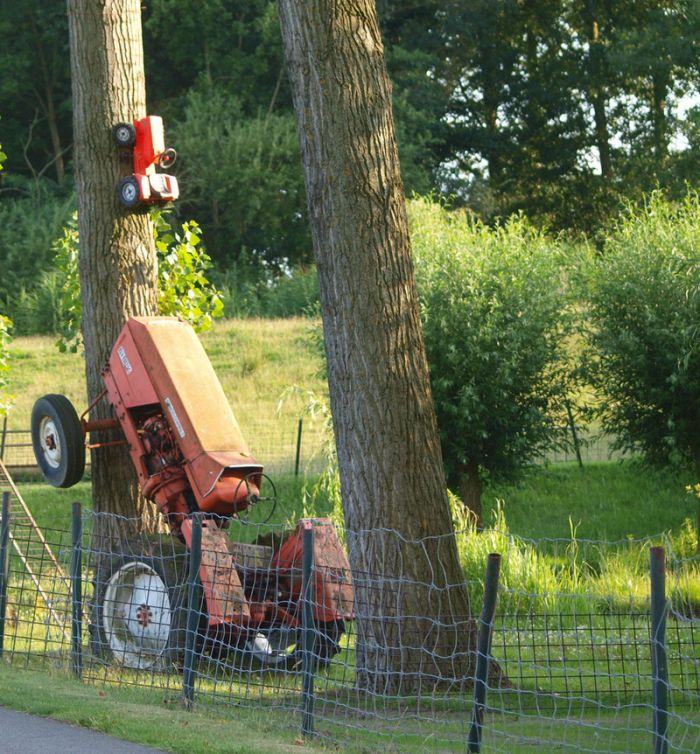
[[139, 617], [128, 191], [58, 440], [124, 134], [282, 648]]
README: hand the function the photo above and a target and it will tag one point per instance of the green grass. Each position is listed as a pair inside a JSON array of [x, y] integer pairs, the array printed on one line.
[[151, 719], [157, 718], [605, 501]]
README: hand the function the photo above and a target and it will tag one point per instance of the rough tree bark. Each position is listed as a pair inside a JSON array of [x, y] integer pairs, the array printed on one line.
[[470, 490], [118, 266], [385, 429]]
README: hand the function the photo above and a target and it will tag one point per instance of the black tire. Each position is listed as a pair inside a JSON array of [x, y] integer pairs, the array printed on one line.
[[128, 191], [58, 440], [106, 636], [124, 134]]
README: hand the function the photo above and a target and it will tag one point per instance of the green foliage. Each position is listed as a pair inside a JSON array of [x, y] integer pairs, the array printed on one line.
[[244, 179], [70, 306], [183, 287], [5, 338], [31, 220], [494, 316], [3, 157], [643, 354], [250, 289]]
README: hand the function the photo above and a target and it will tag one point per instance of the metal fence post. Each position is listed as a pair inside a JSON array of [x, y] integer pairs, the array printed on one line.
[[3, 438], [193, 611], [297, 457], [483, 649], [4, 563], [76, 579], [659, 660], [307, 629]]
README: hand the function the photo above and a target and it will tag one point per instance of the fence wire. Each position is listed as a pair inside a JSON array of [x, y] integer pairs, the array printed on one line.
[[279, 441], [390, 654]]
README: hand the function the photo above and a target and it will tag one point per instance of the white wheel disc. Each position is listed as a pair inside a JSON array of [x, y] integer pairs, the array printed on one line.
[[136, 615], [129, 192], [50, 442], [123, 134]]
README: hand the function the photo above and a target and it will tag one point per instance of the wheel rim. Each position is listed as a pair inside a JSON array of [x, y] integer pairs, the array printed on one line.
[[123, 134], [137, 615], [50, 442], [129, 192]]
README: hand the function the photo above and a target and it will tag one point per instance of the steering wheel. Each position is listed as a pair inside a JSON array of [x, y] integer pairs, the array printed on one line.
[[255, 499]]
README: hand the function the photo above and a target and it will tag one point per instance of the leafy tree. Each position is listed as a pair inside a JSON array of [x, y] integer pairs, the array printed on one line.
[[35, 87], [243, 179], [643, 335], [495, 324]]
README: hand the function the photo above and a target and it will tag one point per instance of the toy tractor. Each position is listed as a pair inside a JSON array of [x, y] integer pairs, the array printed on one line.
[[144, 142], [191, 460]]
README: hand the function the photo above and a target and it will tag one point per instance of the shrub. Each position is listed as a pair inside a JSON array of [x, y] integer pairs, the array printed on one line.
[[494, 317], [5, 397], [643, 333], [30, 220]]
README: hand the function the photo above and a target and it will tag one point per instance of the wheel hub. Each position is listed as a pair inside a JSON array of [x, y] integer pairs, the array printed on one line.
[[50, 442], [137, 615]]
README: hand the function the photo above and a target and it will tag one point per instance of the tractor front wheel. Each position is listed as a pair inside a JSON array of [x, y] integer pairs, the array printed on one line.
[[58, 440]]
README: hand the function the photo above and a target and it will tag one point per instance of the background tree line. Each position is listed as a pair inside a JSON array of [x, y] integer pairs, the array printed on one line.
[[555, 108]]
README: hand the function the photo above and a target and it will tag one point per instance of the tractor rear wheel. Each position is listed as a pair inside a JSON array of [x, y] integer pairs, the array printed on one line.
[[124, 134], [139, 616], [58, 440]]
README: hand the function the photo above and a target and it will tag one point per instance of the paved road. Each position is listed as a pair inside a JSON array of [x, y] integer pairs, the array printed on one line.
[[27, 734]]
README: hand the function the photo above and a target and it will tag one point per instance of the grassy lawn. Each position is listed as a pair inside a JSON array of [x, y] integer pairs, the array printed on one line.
[[605, 501], [159, 720], [150, 719]]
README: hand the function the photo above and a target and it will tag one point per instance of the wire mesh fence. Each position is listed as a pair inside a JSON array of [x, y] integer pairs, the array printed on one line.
[[277, 620], [288, 445], [293, 445]]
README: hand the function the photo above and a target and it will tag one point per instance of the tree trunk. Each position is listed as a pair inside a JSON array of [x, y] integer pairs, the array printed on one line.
[[389, 456], [596, 90], [659, 91], [470, 491], [118, 267]]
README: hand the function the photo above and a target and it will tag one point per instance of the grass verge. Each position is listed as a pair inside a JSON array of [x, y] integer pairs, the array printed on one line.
[[149, 718]]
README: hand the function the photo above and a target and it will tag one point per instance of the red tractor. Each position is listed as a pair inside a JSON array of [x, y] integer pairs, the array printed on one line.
[[191, 459], [144, 142]]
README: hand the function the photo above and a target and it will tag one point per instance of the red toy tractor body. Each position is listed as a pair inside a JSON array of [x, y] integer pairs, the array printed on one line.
[[144, 143], [190, 458]]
